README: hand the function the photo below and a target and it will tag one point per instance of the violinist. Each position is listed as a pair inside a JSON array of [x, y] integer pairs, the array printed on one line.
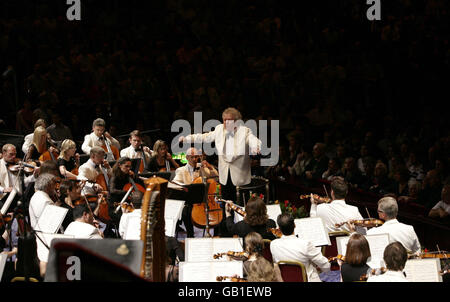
[[256, 220], [136, 149], [84, 225], [8, 178], [45, 187], [261, 270], [254, 245], [127, 230], [68, 159], [336, 211], [161, 159], [70, 191], [291, 248], [395, 257], [356, 256], [97, 137], [403, 233], [91, 169]]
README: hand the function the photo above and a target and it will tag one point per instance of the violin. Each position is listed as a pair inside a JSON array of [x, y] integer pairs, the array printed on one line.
[[336, 258], [239, 255], [232, 279], [428, 255], [366, 222], [28, 167], [317, 198], [47, 155], [234, 207], [373, 272], [276, 232]]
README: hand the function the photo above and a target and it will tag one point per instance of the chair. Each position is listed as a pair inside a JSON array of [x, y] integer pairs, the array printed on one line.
[[292, 271], [266, 250], [331, 250]]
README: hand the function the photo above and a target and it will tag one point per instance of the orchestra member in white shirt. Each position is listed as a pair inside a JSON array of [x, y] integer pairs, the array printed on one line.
[[83, 225], [97, 137], [91, 169], [395, 257], [234, 143], [45, 186], [337, 211], [291, 248], [403, 233], [136, 150]]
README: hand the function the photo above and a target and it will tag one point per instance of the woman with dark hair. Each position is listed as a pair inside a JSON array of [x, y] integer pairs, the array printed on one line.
[[121, 174], [256, 220], [355, 258]]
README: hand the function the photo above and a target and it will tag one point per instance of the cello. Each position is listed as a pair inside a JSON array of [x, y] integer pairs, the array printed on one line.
[[112, 153], [209, 214]]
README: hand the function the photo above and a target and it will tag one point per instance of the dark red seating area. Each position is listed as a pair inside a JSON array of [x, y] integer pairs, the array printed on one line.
[[431, 232]]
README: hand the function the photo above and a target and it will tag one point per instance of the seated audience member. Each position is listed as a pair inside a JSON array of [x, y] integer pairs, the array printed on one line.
[[351, 173], [254, 245], [336, 211], [291, 248], [334, 169], [442, 208], [356, 256], [318, 164], [431, 190], [303, 160], [395, 257], [403, 233], [256, 220], [381, 184], [83, 225]]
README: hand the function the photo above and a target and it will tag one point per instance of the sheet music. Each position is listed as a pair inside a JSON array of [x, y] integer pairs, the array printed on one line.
[[3, 258], [203, 249], [173, 208], [170, 227], [377, 244], [42, 250], [208, 271], [133, 230], [8, 201], [174, 185], [273, 210], [313, 230], [51, 219], [423, 270]]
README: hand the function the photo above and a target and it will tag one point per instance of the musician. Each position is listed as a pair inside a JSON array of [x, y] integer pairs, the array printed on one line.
[[188, 173], [39, 145], [120, 176], [136, 149], [291, 248], [161, 159], [91, 169], [83, 225], [254, 245], [256, 220], [68, 159], [9, 179], [126, 230], [70, 191], [45, 187], [336, 211], [261, 270], [442, 208], [395, 257], [403, 233], [356, 256], [28, 139], [234, 142], [97, 137]]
